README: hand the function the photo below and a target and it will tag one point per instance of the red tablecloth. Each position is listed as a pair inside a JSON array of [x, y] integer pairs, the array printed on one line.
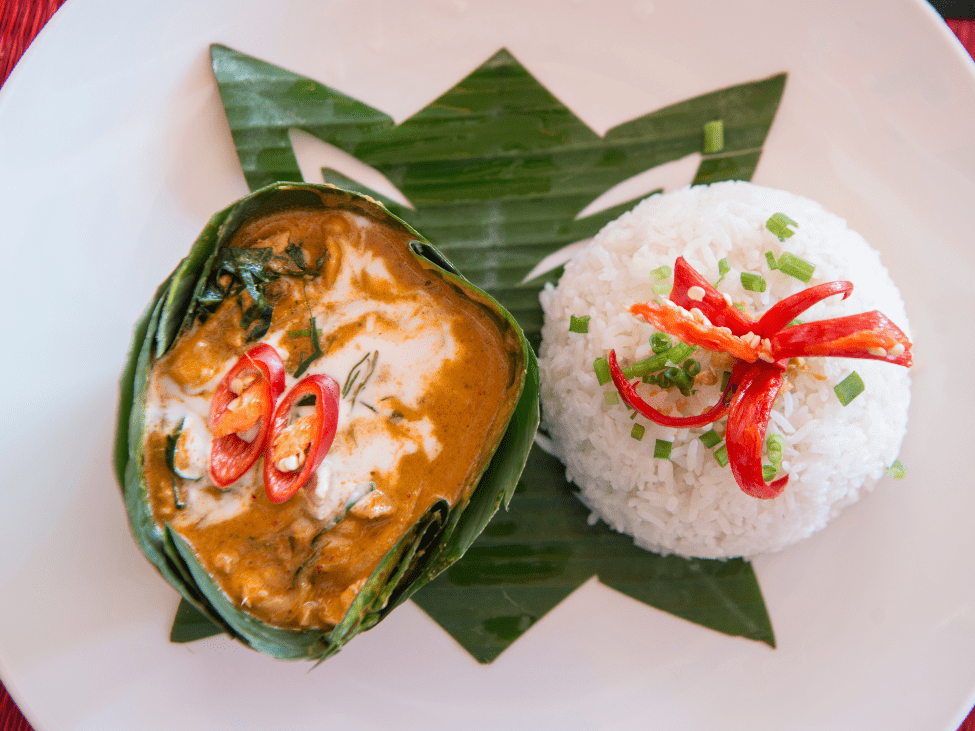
[[20, 22]]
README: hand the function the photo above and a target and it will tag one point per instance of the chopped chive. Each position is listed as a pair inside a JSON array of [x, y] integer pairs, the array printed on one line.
[[753, 282], [680, 352], [660, 343], [691, 367], [661, 288], [601, 366], [710, 438], [661, 273], [796, 266], [849, 388], [299, 333], [647, 365], [611, 398], [724, 266], [637, 431], [721, 456], [661, 449], [897, 470], [725, 377], [770, 258], [579, 324], [773, 444], [769, 471], [714, 136], [779, 225]]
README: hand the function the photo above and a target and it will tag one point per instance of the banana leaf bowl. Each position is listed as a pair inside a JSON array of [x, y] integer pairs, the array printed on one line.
[[436, 540]]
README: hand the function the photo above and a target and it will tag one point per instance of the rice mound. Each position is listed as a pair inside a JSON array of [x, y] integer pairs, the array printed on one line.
[[690, 504]]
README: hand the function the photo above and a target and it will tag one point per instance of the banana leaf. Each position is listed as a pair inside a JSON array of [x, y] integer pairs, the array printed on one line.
[[497, 172], [435, 541]]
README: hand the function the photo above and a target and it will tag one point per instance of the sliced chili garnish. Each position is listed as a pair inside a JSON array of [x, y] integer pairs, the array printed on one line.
[[243, 400], [712, 303], [679, 322], [748, 418], [762, 348], [304, 441], [785, 311], [629, 395], [868, 335]]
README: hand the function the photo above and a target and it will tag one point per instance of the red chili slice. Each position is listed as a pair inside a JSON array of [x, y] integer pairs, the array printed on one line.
[[713, 304], [867, 335], [747, 423], [259, 376], [631, 397], [307, 438], [785, 311]]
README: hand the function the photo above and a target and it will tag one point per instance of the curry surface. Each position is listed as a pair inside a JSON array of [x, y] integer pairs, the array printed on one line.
[[282, 562]]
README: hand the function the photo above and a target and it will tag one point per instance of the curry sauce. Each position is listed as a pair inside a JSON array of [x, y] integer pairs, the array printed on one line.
[[429, 374]]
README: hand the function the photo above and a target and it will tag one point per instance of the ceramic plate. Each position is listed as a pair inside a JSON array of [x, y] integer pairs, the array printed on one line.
[[115, 150]]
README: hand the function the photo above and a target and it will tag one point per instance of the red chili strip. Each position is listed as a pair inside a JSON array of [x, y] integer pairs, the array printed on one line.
[[748, 418], [785, 311], [713, 304], [868, 335], [632, 398]]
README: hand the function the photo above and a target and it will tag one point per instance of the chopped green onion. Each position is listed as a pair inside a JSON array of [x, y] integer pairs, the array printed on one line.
[[680, 352], [601, 366], [714, 136], [721, 456], [774, 444], [897, 470], [661, 288], [661, 450], [691, 367], [796, 266], [647, 365], [724, 266], [637, 431], [663, 381], [661, 272], [660, 342], [849, 388], [725, 377], [611, 398], [769, 471], [299, 333], [779, 225], [579, 324], [710, 438], [753, 282], [793, 323], [770, 258]]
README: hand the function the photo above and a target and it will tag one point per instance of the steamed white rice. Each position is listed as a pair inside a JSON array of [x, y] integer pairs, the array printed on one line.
[[690, 504]]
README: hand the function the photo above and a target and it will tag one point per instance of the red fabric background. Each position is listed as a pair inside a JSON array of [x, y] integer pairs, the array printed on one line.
[[20, 22]]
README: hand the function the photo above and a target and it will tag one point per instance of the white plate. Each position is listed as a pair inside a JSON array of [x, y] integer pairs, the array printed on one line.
[[113, 152]]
